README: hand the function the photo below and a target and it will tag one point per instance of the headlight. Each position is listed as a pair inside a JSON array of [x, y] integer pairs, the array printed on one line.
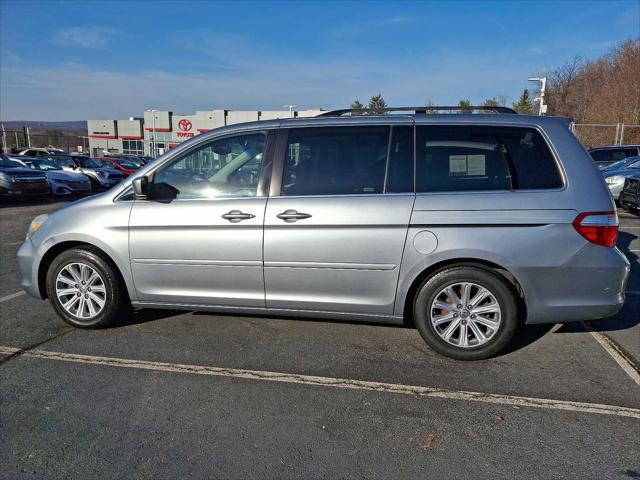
[[102, 174], [614, 179], [36, 223]]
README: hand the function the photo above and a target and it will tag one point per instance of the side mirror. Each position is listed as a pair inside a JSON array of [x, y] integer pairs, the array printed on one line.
[[141, 187]]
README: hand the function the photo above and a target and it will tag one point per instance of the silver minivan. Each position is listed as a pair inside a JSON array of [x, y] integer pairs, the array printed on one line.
[[466, 225]]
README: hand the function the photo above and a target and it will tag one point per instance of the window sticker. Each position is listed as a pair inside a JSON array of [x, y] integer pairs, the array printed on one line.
[[476, 165], [457, 165]]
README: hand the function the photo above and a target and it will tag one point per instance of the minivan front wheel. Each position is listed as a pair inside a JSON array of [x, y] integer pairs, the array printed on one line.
[[466, 312], [85, 290]]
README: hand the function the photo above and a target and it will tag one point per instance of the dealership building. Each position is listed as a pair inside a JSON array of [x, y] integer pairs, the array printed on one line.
[[159, 131]]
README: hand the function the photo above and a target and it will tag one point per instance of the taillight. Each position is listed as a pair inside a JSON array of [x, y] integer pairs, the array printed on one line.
[[600, 228]]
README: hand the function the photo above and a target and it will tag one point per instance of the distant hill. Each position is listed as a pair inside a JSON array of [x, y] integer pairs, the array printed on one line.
[[36, 126]]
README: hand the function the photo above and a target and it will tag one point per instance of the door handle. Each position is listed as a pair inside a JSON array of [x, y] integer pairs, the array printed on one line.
[[291, 216], [235, 216]]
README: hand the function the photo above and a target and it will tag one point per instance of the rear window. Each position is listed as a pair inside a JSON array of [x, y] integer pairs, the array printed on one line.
[[613, 154], [466, 158]]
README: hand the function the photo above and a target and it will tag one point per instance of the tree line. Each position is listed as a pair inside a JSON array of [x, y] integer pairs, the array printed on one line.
[[524, 105]]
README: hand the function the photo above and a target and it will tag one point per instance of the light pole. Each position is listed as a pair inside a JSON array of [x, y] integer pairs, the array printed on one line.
[[290, 109], [543, 86], [153, 134]]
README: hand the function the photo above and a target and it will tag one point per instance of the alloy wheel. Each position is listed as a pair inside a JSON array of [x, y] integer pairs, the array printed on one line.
[[81, 291], [465, 314]]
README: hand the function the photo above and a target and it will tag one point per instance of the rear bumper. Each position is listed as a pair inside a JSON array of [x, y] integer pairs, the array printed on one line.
[[589, 286]]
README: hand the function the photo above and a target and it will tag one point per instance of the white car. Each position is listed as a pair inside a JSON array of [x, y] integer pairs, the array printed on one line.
[[61, 182], [101, 178], [41, 152]]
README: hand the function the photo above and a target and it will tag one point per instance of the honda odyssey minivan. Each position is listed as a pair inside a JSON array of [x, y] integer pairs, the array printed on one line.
[[466, 225]]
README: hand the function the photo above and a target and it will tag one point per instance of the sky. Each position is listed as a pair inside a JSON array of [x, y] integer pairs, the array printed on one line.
[[67, 60]]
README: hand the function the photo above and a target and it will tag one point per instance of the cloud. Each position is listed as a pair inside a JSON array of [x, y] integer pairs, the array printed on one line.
[[535, 50], [76, 91], [83, 37]]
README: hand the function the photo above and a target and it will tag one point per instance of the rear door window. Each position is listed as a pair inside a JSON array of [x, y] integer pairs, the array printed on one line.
[[335, 161], [472, 158]]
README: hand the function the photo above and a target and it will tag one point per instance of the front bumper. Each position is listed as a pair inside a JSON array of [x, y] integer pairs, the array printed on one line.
[[20, 191], [67, 189], [28, 263], [630, 199]]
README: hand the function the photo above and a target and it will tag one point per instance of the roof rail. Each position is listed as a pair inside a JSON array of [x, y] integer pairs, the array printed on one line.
[[417, 110]]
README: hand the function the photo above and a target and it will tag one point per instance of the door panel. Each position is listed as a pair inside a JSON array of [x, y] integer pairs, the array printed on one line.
[[333, 239], [345, 257], [200, 240], [186, 252]]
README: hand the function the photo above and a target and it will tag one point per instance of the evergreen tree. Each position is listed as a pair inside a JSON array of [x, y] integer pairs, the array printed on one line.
[[524, 104], [377, 104], [428, 109], [356, 105], [465, 106]]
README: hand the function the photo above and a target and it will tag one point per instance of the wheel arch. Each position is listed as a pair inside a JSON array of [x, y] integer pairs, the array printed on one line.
[[58, 248], [432, 270]]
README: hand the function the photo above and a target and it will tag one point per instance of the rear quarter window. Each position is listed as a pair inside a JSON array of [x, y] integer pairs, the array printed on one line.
[[472, 158]]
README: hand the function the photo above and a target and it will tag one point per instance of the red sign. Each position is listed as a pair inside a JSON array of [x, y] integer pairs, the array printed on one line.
[[185, 125], [185, 134]]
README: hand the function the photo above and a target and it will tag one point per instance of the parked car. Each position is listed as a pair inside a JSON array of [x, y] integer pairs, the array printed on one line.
[[605, 156], [465, 225], [616, 173], [101, 178], [139, 159], [20, 182], [630, 196], [61, 182], [123, 165], [42, 152]]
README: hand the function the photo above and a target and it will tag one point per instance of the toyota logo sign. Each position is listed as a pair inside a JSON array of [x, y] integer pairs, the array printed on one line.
[[185, 125]]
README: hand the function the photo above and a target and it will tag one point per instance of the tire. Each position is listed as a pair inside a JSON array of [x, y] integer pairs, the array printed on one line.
[[107, 287], [500, 304]]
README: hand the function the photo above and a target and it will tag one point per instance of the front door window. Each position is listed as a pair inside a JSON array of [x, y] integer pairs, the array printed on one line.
[[228, 167]]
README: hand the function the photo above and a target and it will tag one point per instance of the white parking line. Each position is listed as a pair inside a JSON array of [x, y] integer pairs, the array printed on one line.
[[611, 348], [333, 382], [10, 296]]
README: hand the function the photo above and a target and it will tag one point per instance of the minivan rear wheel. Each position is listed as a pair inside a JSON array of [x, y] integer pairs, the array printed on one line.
[[85, 290], [466, 312]]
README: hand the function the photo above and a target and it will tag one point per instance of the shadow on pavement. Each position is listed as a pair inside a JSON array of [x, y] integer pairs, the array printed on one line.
[[138, 317]]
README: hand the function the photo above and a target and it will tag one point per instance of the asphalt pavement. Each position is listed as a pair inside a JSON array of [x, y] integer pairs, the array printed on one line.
[[169, 394]]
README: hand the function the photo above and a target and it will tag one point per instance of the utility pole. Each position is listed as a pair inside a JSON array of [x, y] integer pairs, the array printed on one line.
[[4, 140], [291, 107], [542, 108]]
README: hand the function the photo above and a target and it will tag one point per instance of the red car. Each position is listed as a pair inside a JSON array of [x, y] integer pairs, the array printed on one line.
[[126, 166]]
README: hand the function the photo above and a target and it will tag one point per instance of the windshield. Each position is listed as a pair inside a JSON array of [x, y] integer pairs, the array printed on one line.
[[62, 160], [86, 162], [42, 165], [128, 164]]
